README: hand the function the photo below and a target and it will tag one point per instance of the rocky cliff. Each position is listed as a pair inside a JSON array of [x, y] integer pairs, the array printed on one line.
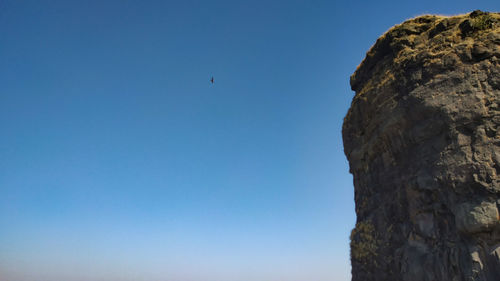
[[423, 145]]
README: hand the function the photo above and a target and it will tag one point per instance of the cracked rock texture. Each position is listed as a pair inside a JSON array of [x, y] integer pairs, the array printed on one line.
[[423, 143]]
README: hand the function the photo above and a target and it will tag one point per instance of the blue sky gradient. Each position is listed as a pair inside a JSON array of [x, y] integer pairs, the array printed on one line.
[[120, 161]]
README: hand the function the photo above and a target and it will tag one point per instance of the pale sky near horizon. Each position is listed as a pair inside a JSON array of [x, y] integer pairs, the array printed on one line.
[[120, 161]]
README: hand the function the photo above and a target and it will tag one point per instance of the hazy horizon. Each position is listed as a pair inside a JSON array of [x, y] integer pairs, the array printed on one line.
[[120, 160]]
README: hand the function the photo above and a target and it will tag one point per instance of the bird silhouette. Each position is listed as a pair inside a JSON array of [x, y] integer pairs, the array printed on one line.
[[212, 80]]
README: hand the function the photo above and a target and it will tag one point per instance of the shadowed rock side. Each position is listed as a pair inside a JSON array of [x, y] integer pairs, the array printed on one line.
[[423, 143]]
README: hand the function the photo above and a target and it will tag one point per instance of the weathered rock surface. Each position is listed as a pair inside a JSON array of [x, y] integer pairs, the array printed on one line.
[[423, 143]]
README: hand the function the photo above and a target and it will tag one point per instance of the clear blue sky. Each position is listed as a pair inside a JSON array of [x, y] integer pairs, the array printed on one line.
[[120, 161]]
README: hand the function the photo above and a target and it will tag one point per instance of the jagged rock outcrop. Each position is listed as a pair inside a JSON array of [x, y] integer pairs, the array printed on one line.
[[423, 143]]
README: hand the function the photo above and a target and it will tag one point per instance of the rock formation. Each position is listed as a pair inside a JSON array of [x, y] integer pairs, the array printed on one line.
[[423, 146]]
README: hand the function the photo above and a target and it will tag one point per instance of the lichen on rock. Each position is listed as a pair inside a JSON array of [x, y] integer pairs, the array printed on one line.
[[423, 142]]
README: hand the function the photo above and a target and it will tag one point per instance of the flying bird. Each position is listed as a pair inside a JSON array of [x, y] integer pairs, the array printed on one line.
[[212, 80]]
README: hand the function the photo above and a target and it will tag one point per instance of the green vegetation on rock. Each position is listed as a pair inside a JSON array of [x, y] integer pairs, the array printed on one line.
[[364, 244], [482, 22]]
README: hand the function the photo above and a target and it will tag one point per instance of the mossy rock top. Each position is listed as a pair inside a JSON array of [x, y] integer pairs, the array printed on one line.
[[427, 38]]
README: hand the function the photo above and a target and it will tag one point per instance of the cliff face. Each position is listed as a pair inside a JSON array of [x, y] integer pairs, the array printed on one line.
[[423, 143]]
